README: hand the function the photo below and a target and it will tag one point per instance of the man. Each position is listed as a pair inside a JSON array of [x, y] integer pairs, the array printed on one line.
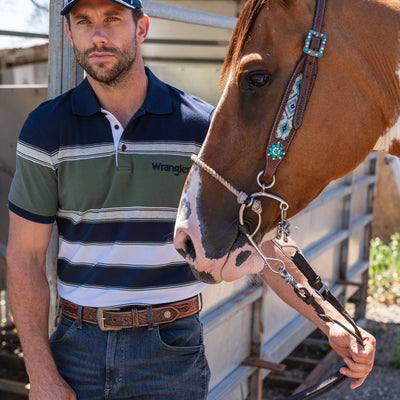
[[107, 161]]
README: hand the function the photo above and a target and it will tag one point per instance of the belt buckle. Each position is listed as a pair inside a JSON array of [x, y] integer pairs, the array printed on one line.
[[100, 319]]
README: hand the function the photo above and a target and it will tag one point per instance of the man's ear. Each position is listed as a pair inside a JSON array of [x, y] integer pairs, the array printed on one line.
[[142, 29]]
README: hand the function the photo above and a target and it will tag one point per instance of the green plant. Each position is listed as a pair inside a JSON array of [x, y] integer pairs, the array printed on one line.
[[320, 349], [384, 283]]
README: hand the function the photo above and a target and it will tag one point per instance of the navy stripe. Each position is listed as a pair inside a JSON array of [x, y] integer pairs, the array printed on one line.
[[30, 216], [122, 231], [125, 278]]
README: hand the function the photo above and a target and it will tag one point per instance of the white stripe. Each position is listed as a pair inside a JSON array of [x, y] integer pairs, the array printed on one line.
[[119, 214], [105, 297], [140, 255], [104, 150], [85, 152], [64, 154], [180, 149], [36, 155]]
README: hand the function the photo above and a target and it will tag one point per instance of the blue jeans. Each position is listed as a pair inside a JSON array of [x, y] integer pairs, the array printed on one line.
[[167, 362]]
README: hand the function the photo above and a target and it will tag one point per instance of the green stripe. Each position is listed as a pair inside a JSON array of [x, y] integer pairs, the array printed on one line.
[[139, 180]]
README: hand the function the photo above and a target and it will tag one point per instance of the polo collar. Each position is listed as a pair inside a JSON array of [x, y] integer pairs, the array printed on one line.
[[158, 99], [84, 101]]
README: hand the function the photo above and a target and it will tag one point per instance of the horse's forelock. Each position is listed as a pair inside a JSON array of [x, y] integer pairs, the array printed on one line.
[[240, 35]]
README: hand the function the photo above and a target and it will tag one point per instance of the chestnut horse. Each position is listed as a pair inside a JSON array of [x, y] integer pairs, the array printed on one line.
[[353, 108]]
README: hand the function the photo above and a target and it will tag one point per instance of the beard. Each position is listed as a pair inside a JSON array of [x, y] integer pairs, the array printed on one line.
[[110, 76]]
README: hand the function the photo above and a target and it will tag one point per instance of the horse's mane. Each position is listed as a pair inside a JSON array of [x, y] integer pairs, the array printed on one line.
[[240, 35]]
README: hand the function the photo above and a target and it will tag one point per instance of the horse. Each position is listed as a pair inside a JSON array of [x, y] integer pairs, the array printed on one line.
[[332, 95]]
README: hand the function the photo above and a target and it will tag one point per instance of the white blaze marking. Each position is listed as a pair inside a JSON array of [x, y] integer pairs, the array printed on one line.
[[188, 199]]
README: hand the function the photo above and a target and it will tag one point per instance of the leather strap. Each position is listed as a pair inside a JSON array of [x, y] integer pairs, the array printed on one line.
[[307, 66], [310, 67], [135, 317], [316, 283], [320, 388], [273, 163]]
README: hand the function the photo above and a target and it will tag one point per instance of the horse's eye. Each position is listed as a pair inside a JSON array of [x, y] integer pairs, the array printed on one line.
[[257, 80]]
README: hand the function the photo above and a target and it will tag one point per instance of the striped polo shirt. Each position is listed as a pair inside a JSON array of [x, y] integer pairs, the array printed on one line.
[[113, 192]]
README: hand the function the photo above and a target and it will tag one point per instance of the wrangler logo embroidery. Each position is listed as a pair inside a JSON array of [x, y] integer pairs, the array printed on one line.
[[175, 169]]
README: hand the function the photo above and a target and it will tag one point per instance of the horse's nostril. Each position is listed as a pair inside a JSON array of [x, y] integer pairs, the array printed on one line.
[[182, 252], [190, 248]]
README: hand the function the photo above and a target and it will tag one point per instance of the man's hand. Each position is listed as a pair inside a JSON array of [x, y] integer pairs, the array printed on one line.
[[359, 360], [50, 389]]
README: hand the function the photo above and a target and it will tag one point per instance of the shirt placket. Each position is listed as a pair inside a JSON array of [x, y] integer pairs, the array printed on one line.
[[122, 161]]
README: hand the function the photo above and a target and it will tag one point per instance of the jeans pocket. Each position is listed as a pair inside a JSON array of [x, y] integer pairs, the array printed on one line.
[[185, 334], [65, 328]]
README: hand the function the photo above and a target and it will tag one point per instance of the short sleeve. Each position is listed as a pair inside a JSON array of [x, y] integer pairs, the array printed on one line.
[[33, 194]]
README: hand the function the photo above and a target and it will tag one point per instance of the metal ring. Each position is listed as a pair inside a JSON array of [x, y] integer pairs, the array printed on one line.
[[264, 187], [241, 220], [282, 247]]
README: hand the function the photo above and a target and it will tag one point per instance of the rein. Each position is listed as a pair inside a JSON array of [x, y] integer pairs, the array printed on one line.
[[287, 121]]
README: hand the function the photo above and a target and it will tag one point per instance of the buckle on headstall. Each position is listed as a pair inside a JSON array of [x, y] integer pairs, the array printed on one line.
[[100, 319], [322, 290], [318, 283], [315, 53]]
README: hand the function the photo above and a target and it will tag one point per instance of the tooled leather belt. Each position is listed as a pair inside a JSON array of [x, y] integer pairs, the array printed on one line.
[[114, 319]]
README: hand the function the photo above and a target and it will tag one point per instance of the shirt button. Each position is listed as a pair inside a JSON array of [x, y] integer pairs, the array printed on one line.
[[116, 127], [124, 147]]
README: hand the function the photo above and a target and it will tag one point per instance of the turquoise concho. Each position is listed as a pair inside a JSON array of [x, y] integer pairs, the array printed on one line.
[[276, 151], [315, 53]]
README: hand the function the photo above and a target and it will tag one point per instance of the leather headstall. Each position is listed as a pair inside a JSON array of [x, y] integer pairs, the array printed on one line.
[[304, 73]]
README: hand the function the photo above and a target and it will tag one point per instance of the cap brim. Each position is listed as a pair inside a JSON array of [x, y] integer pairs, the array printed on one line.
[[133, 4], [66, 9]]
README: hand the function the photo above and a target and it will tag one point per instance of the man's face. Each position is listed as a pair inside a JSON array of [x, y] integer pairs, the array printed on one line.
[[103, 35]]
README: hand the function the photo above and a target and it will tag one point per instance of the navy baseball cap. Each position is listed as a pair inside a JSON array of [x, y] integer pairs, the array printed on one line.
[[133, 4]]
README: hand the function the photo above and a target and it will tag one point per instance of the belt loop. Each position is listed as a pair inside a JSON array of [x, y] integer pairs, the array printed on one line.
[[79, 317], [135, 318], [150, 319]]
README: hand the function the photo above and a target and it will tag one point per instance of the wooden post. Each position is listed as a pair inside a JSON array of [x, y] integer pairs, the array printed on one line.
[[64, 74], [257, 340]]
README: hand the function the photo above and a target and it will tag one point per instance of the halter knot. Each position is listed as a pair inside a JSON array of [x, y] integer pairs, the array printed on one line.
[[241, 199], [257, 207], [250, 201]]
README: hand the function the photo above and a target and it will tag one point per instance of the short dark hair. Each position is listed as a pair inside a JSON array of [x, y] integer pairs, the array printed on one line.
[[136, 14]]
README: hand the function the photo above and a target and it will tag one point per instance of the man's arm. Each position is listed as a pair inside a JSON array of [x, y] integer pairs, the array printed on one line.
[[359, 360], [29, 297]]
